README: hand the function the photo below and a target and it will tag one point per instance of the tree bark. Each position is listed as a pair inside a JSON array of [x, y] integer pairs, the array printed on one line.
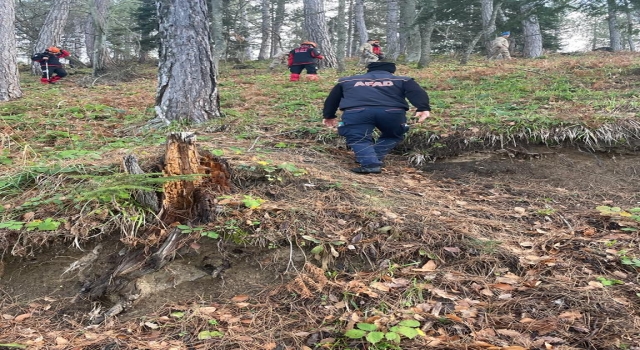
[[409, 32], [278, 22], [265, 30], [615, 38], [393, 11], [341, 33], [488, 26], [51, 32], [244, 49], [427, 22], [315, 25], [531, 30], [10, 82], [96, 35], [217, 31], [349, 42], [630, 30], [361, 26], [187, 84], [89, 38]]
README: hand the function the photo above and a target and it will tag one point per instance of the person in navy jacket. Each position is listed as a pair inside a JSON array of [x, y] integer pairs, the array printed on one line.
[[375, 100], [304, 57], [52, 69]]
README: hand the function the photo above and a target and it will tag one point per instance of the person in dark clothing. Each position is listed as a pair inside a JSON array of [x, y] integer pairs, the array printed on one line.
[[375, 100], [304, 57], [50, 64]]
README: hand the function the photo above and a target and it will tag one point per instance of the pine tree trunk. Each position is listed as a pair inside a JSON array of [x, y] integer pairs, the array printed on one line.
[[89, 38], [409, 32], [531, 30], [350, 40], [244, 49], [615, 38], [341, 33], [393, 14], [265, 30], [278, 21], [630, 30], [51, 31], [361, 27], [187, 86], [217, 31], [10, 81], [488, 26], [427, 17], [97, 35], [315, 25]]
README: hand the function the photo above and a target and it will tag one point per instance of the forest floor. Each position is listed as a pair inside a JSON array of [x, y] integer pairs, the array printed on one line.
[[509, 221]]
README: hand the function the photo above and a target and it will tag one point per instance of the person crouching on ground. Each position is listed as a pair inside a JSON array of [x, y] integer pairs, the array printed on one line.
[[304, 57], [373, 100], [50, 64]]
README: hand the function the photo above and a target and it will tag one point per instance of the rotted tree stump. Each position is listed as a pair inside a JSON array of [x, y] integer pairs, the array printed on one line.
[[188, 201], [148, 199], [192, 200]]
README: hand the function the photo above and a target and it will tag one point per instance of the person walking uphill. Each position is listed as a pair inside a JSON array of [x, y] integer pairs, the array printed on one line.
[[50, 64], [304, 57], [500, 47], [377, 99]]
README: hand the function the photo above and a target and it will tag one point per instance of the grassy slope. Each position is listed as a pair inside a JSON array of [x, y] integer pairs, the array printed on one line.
[[61, 148]]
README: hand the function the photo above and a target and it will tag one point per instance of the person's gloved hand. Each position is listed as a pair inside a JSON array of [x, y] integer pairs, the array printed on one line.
[[45, 58]]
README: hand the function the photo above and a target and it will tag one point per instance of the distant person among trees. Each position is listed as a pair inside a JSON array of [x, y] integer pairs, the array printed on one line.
[[375, 100], [500, 47], [370, 52], [50, 64], [304, 57]]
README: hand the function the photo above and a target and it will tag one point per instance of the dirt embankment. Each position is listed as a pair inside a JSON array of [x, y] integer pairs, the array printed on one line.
[[502, 249]]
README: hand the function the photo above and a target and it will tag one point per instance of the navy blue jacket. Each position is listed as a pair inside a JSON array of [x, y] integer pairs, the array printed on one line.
[[305, 54], [375, 89]]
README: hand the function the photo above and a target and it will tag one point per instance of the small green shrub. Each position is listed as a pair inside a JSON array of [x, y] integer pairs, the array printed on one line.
[[385, 339]]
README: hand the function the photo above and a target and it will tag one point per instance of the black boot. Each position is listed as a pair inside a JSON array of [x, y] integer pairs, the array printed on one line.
[[367, 170]]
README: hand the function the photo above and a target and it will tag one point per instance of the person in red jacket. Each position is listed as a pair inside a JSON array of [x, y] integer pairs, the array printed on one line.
[[50, 64], [304, 57]]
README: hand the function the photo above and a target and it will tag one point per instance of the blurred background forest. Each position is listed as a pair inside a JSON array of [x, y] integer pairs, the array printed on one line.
[[242, 30]]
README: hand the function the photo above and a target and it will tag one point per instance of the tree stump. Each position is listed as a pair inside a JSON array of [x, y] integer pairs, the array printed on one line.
[[192, 200], [147, 199], [186, 201]]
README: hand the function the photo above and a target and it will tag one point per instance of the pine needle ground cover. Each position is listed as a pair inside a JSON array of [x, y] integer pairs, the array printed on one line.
[[508, 221]]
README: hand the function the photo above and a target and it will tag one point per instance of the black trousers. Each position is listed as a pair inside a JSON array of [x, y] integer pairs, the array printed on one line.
[[297, 69], [59, 71]]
